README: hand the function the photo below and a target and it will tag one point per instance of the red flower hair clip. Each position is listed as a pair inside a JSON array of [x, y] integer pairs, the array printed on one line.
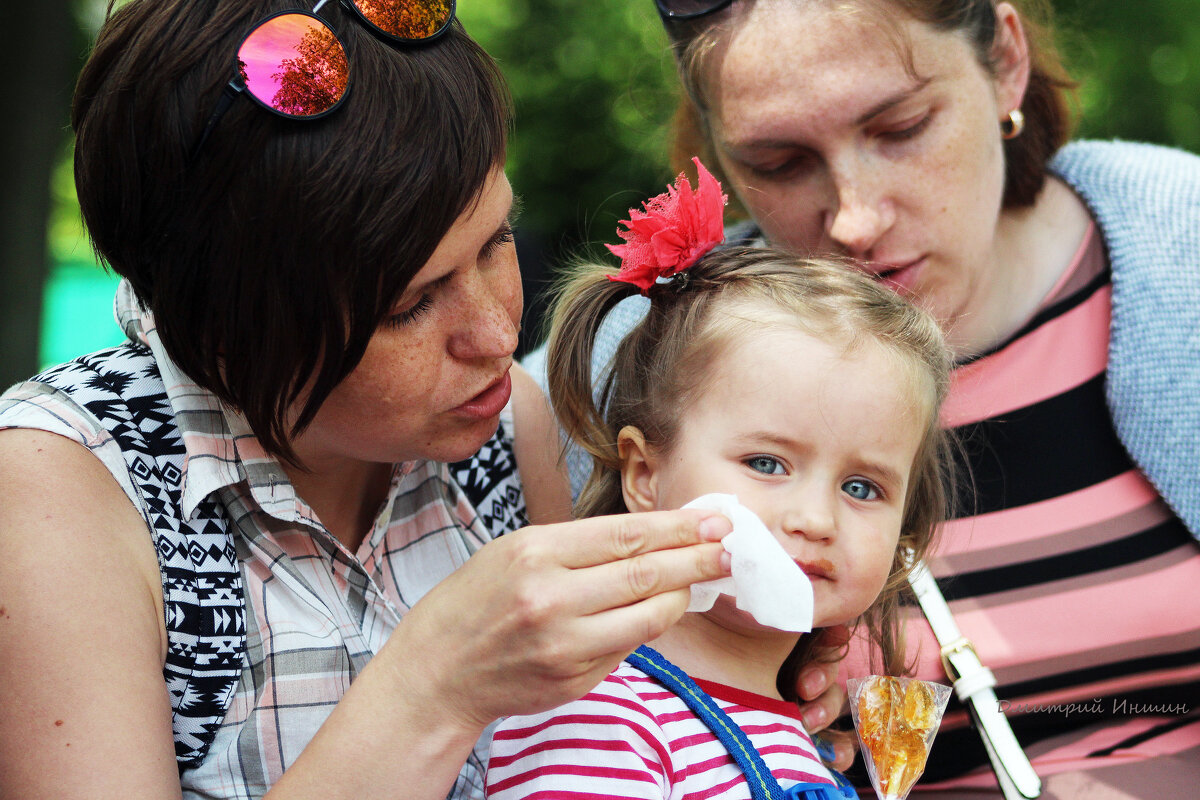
[[672, 233]]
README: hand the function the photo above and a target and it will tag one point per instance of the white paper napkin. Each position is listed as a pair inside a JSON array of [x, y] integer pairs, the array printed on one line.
[[766, 582]]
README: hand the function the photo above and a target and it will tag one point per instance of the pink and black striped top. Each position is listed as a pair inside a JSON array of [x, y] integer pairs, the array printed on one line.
[[1075, 581]]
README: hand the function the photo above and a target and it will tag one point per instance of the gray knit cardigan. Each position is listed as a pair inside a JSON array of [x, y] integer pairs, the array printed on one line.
[[1146, 202]]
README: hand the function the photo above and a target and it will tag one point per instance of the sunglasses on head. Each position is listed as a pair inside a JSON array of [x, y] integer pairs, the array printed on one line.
[[688, 9], [293, 64]]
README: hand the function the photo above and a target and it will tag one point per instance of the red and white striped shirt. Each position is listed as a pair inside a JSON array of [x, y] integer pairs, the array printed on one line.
[[632, 738]]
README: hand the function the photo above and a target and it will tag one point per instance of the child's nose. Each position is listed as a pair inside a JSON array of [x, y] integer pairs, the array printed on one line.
[[810, 515]]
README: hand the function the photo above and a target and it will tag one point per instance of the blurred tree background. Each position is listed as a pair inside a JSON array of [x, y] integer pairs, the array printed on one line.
[[594, 88]]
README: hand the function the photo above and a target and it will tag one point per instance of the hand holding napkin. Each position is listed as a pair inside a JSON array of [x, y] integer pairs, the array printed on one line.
[[766, 582]]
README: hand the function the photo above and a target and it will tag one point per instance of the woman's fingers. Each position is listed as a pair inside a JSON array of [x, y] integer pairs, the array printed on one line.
[[836, 748], [825, 707], [540, 616], [579, 569], [625, 628], [823, 698], [571, 663], [845, 747], [595, 590], [603, 540]]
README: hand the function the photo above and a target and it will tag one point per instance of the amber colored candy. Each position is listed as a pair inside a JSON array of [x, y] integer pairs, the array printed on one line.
[[893, 723], [903, 763], [920, 707], [877, 704]]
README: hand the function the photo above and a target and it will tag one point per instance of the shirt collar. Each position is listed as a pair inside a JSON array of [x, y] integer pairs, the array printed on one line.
[[220, 448], [209, 428]]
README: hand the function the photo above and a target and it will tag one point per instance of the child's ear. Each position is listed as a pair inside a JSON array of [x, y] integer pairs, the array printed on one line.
[[638, 484]]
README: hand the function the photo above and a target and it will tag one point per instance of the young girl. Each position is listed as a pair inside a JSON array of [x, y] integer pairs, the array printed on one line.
[[800, 386]]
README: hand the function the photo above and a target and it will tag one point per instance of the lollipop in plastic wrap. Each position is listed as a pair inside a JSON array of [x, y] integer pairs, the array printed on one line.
[[896, 720]]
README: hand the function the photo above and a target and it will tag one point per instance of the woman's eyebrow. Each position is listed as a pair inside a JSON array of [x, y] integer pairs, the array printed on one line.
[[892, 101], [514, 211], [414, 290], [505, 228]]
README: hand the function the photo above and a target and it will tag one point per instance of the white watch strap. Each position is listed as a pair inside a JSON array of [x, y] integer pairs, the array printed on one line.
[[973, 683]]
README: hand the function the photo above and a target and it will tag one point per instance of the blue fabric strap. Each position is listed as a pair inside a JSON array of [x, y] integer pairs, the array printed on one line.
[[763, 785]]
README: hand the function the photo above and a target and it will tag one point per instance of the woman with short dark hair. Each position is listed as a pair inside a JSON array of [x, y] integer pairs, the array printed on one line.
[[234, 550]]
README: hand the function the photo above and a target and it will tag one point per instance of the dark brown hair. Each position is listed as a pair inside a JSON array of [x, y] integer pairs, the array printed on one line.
[[270, 260], [662, 366], [1048, 120]]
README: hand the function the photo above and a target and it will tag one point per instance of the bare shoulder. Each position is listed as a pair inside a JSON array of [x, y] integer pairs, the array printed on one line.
[[49, 484], [85, 711], [538, 449]]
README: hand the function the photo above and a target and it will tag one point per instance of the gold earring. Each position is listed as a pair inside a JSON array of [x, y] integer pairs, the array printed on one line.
[[1011, 127]]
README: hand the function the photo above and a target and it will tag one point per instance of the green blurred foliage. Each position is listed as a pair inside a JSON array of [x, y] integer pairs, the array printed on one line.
[[1138, 64], [594, 88], [68, 240]]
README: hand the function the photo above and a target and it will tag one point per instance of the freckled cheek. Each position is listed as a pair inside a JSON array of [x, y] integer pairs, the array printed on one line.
[[515, 305], [515, 300], [934, 184], [396, 376], [791, 220]]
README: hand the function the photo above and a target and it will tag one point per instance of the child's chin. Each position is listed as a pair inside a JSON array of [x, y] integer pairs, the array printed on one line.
[[726, 613]]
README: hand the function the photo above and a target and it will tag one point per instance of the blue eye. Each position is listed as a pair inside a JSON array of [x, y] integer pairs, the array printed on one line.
[[860, 489], [767, 465]]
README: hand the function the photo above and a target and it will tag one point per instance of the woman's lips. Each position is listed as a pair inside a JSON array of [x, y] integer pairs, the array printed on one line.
[[900, 278], [819, 568], [490, 401]]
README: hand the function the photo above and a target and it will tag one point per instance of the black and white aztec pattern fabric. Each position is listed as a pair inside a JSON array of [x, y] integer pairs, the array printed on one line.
[[204, 604], [491, 482], [202, 589]]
